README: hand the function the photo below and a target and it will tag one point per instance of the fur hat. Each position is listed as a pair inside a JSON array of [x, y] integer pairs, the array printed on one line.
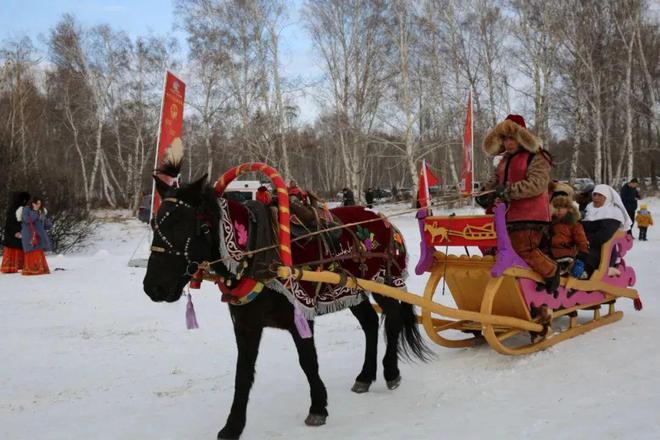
[[559, 188], [562, 202], [513, 126], [565, 202], [644, 207]]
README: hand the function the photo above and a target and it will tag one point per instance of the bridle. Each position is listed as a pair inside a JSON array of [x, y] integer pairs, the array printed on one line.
[[169, 249]]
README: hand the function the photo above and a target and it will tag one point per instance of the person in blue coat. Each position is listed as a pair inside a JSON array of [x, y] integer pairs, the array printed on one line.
[[34, 237]]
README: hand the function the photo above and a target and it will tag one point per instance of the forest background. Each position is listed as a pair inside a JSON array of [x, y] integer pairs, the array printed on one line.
[[79, 105]]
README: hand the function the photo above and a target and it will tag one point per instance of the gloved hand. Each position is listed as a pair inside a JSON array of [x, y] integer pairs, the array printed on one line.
[[578, 268], [502, 193], [485, 200]]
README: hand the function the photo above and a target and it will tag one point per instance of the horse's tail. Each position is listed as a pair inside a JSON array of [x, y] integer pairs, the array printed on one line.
[[411, 342]]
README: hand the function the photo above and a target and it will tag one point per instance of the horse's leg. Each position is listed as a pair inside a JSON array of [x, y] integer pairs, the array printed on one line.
[[310, 366], [368, 318], [393, 325], [247, 341]]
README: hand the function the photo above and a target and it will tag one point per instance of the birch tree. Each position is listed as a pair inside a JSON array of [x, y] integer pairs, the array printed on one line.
[[349, 37]]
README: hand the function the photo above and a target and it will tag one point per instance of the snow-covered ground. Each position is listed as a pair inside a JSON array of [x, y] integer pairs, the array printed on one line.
[[85, 354]]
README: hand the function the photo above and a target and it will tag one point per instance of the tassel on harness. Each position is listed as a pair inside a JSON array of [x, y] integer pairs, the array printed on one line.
[[191, 318]]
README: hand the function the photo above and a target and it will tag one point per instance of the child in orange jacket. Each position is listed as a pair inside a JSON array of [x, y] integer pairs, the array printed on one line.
[[567, 234], [644, 220]]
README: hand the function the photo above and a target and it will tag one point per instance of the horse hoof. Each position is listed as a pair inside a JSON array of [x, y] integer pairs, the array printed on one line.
[[315, 420], [228, 434], [360, 387], [394, 383]]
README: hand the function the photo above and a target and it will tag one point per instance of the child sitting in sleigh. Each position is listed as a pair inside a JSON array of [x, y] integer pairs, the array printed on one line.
[[567, 236]]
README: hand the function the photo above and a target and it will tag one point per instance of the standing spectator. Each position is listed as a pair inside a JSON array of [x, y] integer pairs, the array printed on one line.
[[644, 220], [144, 211], [629, 197], [34, 237], [349, 199], [395, 194], [12, 257], [369, 197]]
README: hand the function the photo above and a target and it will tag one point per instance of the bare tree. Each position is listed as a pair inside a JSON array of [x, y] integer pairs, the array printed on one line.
[[349, 36]]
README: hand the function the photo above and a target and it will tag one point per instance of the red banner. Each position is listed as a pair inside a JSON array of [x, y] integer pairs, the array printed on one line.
[[426, 180], [171, 125], [460, 231], [467, 169]]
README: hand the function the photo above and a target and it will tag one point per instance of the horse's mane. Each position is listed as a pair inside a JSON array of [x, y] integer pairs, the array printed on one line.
[[204, 198], [210, 200]]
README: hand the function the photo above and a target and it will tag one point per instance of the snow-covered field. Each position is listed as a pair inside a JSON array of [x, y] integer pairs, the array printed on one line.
[[85, 354]]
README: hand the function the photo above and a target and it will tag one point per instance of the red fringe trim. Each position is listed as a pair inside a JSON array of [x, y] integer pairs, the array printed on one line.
[[35, 263], [12, 260]]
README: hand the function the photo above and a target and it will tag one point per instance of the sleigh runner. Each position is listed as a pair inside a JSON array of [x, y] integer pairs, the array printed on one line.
[[496, 298]]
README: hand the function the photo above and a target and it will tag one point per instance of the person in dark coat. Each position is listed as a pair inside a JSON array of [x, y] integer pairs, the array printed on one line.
[[629, 197], [296, 193], [263, 195], [34, 238], [369, 197], [12, 256], [349, 198]]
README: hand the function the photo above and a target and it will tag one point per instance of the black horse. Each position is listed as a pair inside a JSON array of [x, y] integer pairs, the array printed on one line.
[[186, 232]]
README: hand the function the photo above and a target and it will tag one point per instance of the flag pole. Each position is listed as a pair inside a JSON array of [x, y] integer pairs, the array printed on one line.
[[160, 123], [471, 149], [427, 192]]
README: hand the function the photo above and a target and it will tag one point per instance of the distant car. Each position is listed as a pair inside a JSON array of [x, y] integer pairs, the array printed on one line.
[[583, 184], [382, 194], [435, 190], [405, 193], [243, 190]]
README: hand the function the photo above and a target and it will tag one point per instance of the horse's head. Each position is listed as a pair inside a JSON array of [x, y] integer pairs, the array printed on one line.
[[185, 234]]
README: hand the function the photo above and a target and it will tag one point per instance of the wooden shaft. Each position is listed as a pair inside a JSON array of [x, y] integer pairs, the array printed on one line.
[[410, 298]]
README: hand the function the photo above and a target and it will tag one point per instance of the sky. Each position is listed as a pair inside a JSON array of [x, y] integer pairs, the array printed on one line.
[[35, 18]]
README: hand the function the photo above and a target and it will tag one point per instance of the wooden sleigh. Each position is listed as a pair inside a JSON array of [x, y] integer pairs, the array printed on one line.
[[505, 286], [494, 296]]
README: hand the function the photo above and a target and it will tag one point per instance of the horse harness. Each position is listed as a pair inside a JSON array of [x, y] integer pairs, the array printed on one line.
[[169, 248]]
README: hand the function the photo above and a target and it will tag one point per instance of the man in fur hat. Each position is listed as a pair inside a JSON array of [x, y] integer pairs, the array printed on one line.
[[521, 180]]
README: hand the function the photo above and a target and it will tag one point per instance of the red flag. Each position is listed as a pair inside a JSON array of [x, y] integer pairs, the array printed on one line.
[[467, 168], [171, 125], [426, 180]]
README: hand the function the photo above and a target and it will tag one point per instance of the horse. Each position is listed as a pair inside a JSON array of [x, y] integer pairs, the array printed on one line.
[[188, 231]]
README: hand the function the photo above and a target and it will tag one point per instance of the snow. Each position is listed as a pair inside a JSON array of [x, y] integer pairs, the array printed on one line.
[[85, 354]]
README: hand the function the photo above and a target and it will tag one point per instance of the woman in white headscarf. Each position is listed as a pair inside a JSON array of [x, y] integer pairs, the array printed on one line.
[[604, 216]]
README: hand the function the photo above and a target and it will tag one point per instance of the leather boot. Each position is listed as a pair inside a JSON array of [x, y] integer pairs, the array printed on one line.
[[552, 283]]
